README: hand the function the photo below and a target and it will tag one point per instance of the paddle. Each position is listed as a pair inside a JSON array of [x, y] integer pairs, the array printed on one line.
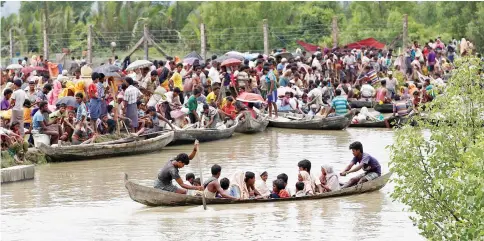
[[201, 175]]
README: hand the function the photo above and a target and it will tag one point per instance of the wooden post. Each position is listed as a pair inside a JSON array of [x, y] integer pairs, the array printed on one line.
[[89, 45], [266, 36], [203, 42], [12, 49], [335, 32], [405, 31], [145, 35], [44, 30]]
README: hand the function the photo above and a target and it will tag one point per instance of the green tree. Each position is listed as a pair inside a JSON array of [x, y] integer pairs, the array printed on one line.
[[439, 167]]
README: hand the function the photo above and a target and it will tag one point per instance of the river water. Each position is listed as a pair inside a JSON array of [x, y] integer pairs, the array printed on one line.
[[86, 200]]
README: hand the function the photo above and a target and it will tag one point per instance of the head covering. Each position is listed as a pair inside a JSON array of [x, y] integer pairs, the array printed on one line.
[[64, 72], [65, 91], [238, 181], [79, 88], [283, 60], [463, 46], [389, 72], [261, 186], [309, 186], [54, 93], [329, 171]]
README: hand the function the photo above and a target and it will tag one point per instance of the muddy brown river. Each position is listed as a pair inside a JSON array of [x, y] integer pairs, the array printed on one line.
[[86, 200]]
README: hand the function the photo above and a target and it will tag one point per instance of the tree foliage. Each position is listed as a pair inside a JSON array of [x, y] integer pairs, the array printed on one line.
[[238, 25], [439, 167]]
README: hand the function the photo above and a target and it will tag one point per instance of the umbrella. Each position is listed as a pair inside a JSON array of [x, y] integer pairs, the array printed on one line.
[[107, 69], [193, 54], [28, 70], [139, 64], [15, 66], [68, 100], [234, 53], [250, 97], [231, 62], [235, 56], [113, 74], [282, 91], [190, 60]]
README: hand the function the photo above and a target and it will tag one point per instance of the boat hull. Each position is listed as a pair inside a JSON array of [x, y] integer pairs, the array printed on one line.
[[154, 197], [100, 150], [313, 123], [249, 125], [385, 108], [203, 135]]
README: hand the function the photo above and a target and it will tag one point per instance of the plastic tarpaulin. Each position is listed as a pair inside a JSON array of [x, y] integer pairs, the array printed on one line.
[[367, 43], [307, 46]]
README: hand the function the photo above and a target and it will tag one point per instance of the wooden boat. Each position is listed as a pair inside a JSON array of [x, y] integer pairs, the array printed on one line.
[[249, 125], [107, 149], [361, 103], [393, 121], [203, 135], [155, 197], [299, 121], [385, 108]]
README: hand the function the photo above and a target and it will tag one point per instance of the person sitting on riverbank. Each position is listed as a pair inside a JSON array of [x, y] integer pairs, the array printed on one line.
[[212, 186], [242, 185], [278, 189], [170, 172], [369, 164], [300, 190], [41, 125]]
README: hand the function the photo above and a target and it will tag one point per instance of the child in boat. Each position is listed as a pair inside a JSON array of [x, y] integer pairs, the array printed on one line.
[[197, 183], [300, 190], [189, 178], [284, 178], [278, 190], [224, 184]]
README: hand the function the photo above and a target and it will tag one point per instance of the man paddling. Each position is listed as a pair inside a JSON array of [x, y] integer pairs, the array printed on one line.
[[369, 164], [171, 171]]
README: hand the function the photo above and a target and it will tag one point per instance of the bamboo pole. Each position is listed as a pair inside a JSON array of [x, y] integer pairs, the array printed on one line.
[[405, 31], [201, 176], [89, 45], [116, 111], [265, 30], [203, 42], [335, 31], [11, 45], [44, 30], [145, 35]]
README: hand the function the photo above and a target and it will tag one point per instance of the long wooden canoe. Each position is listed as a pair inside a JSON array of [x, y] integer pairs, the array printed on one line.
[[203, 135], [393, 121], [155, 197], [385, 108], [299, 121], [361, 103], [249, 125], [100, 150]]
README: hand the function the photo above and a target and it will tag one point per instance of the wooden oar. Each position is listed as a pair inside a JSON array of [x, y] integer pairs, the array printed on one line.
[[201, 176]]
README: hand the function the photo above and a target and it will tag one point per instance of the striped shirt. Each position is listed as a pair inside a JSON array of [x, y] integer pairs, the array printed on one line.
[[132, 94], [339, 104], [100, 90]]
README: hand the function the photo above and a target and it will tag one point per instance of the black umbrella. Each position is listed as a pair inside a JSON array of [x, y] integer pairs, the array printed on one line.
[[193, 54], [68, 100], [107, 69], [286, 55]]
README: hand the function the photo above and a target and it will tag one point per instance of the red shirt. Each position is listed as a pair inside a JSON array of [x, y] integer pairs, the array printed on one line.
[[283, 194], [230, 110], [92, 91]]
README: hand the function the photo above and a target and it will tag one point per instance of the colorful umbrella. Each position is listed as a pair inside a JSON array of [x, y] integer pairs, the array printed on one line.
[[231, 62], [250, 97], [28, 70], [139, 64], [190, 60], [282, 91], [15, 66], [107, 69]]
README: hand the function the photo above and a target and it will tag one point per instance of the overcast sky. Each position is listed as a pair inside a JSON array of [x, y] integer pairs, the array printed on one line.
[[10, 7]]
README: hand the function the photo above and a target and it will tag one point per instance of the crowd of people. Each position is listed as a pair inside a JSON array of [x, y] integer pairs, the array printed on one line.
[[246, 185], [78, 104]]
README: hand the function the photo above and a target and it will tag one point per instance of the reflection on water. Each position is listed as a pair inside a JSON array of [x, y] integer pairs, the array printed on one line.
[[86, 200]]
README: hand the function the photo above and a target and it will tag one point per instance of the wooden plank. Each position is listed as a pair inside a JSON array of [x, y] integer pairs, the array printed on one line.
[[136, 46]]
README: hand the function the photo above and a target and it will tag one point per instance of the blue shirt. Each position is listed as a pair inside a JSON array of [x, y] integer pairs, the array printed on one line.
[[81, 111], [339, 104], [37, 119], [271, 77], [370, 164]]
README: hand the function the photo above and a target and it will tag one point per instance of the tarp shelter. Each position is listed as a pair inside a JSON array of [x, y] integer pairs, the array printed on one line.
[[307, 46], [193, 54], [367, 43]]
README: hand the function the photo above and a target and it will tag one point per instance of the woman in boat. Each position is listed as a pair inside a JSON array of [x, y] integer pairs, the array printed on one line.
[[329, 179], [309, 187], [212, 186], [171, 171], [261, 185], [242, 185]]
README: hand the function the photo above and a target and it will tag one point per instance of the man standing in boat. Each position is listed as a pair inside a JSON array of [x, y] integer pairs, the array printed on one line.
[[171, 171], [369, 164]]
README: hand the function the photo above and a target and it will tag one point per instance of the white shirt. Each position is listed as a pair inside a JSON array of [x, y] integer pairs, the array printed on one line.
[[214, 75], [349, 60], [317, 64], [316, 93], [391, 83], [19, 96], [365, 60], [367, 91]]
